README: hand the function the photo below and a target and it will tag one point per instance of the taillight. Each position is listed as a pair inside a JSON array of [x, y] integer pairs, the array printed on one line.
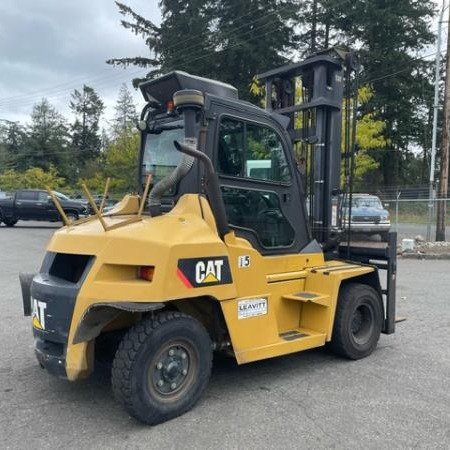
[[146, 272]]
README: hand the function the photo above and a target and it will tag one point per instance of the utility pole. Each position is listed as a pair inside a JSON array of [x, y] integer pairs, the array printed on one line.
[[432, 193], [443, 174]]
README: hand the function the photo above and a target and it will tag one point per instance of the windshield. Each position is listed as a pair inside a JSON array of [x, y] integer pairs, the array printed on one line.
[[160, 155], [365, 202], [62, 196]]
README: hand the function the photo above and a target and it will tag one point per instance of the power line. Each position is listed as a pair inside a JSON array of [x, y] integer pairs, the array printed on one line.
[[61, 92], [103, 83], [106, 81], [51, 92], [401, 70]]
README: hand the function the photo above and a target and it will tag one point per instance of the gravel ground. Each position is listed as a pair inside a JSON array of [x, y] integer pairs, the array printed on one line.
[[399, 397]]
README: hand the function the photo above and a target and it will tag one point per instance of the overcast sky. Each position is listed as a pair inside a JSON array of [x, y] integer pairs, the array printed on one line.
[[50, 47]]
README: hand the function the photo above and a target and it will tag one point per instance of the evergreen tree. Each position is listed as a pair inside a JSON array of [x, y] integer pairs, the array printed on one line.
[[389, 36], [184, 31], [252, 37], [125, 116], [12, 138], [87, 107], [47, 141], [225, 39]]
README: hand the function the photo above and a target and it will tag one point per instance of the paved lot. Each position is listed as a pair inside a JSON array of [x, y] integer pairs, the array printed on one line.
[[397, 398], [411, 230]]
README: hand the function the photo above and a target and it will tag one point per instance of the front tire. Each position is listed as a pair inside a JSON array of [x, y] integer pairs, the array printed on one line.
[[358, 321], [71, 216], [9, 222], [162, 367]]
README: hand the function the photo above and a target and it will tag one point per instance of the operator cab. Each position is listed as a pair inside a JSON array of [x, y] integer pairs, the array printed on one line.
[[251, 152]]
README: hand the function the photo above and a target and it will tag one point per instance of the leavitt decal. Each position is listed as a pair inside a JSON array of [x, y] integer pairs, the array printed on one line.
[[201, 272], [252, 307]]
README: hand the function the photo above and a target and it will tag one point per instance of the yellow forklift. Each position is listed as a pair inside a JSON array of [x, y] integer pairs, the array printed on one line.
[[229, 247]]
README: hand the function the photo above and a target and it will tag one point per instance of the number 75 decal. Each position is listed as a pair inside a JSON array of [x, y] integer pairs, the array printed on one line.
[[244, 261]]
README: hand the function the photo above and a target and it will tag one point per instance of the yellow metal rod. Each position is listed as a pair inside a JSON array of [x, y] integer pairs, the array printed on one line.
[[94, 207], [58, 206], [144, 196], [105, 193]]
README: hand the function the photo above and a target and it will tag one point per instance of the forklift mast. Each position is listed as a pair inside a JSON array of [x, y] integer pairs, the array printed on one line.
[[311, 93]]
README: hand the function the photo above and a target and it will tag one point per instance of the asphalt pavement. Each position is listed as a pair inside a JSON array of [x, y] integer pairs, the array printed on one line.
[[399, 397]]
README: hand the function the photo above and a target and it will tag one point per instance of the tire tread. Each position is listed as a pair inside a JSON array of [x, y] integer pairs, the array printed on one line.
[[339, 344], [121, 375]]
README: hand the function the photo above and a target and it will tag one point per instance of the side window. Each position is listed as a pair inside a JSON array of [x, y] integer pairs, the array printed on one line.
[[27, 195], [231, 148], [251, 151], [265, 159], [259, 212], [43, 196]]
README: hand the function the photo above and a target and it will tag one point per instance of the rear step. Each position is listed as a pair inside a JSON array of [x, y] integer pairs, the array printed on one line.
[[292, 335], [289, 341], [301, 334], [313, 297]]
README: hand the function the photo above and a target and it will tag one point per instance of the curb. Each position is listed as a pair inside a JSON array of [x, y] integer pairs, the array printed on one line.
[[441, 256]]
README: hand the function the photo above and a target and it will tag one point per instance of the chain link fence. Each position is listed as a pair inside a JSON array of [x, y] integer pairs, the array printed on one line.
[[412, 212]]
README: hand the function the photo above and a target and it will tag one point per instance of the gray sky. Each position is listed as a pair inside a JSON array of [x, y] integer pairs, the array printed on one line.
[[50, 47]]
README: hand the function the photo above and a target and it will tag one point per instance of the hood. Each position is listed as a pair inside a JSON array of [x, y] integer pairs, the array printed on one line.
[[369, 211]]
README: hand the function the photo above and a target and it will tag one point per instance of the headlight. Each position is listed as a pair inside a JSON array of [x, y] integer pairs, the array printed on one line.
[[385, 217]]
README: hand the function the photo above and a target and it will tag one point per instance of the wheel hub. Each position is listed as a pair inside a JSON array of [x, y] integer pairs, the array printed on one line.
[[357, 321], [362, 324], [171, 370]]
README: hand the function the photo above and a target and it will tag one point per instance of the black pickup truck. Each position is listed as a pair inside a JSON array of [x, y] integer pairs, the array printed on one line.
[[36, 204]]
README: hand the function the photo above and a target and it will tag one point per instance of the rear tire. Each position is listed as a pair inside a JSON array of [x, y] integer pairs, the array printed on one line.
[[9, 222], [358, 321], [162, 367]]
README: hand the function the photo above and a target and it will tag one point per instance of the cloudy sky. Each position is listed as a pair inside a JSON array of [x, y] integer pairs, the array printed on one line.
[[50, 47]]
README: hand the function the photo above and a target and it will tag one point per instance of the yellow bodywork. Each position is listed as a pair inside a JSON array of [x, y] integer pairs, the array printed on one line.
[[298, 292]]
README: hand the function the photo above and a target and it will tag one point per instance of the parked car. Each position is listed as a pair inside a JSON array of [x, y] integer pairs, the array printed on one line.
[[36, 204], [368, 216]]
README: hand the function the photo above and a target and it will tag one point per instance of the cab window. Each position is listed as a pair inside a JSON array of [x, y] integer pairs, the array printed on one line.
[[251, 151], [254, 153]]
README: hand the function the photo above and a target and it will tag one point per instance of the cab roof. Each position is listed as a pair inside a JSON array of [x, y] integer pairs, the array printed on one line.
[[162, 89]]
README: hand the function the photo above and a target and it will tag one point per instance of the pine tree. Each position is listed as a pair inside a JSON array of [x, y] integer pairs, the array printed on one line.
[[389, 36], [125, 117], [229, 40], [47, 141], [184, 31], [252, 37], [87, 107], [12, 138]]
